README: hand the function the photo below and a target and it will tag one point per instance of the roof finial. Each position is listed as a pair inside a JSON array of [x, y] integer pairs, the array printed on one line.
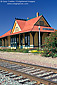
[[37, 14], [27, 17]]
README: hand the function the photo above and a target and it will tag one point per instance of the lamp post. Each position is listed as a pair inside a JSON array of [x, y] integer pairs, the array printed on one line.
[[39, 38]]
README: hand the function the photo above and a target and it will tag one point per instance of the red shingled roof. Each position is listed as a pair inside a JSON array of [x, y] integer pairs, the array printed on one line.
[[30, 23], [27, 26], [35, 28], [6, 34], [21, 23]]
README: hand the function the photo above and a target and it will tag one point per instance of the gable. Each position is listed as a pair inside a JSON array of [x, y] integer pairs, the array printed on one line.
[[42, 22], [16, 27]]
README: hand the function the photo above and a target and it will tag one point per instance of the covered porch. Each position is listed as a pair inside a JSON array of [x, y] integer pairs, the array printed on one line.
[[23, 40]]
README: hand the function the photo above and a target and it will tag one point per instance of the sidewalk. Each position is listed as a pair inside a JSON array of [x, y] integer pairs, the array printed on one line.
[[36, 59]]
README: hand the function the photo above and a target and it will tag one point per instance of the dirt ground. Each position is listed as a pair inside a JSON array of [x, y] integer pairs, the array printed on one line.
[[36, 59]]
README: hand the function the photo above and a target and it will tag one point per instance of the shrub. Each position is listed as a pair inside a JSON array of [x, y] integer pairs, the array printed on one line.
[[26, 51], [50, 45], [22, 50], [37, 49], [55, 55], [15, 50]]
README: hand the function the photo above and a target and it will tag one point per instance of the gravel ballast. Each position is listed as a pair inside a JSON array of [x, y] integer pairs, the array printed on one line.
[[36, 59]]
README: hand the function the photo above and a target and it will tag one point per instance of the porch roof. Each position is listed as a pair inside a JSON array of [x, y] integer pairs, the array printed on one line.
[[6, 34], [34, 29], [43, 29]]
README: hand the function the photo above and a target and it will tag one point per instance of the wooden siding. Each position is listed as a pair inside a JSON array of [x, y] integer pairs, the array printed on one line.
[[42, 19], [36, 39]]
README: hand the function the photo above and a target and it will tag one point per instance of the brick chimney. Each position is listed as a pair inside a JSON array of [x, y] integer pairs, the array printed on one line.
[[37, 14]]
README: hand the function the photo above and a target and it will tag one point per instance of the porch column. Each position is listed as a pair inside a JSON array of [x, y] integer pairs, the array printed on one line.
[[5, 42], [9, 41], [2, 42], [23, 40], [31, 41], [19, 40], [36, 39]]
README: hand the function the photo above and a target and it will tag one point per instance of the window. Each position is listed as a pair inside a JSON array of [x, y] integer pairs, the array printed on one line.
[[13, 41], [48, 29], [27, 40]]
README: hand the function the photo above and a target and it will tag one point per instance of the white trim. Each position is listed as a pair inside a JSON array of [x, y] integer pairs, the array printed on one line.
[[19, 29]]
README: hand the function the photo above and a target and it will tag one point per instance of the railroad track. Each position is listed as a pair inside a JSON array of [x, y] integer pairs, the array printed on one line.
[[28, 74]]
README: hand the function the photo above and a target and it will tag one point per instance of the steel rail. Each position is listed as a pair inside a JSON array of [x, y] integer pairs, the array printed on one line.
[[31, 77]]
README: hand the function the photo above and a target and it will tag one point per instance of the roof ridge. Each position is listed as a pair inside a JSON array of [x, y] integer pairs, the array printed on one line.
[[20, 19], [34, 17]]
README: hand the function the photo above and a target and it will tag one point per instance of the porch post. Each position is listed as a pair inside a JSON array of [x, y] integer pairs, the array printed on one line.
[[19, 40], [31, 40], [23, 40], [9, 41], [5, 42], [2, 42]]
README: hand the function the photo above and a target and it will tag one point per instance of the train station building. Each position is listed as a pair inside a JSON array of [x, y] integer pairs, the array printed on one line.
[[25, 33]]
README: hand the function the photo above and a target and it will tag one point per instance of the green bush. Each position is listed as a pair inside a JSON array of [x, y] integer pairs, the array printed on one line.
[[26, 51], [17, 50], [22, 50], [8, 50], [50, 45], [37, 49], [4, 49], [55, 55], [1, 50]]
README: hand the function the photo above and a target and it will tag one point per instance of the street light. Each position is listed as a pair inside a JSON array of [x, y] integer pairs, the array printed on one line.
[[39, 38]]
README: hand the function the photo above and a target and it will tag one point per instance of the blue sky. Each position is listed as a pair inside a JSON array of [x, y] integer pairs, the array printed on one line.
[[8, 13]]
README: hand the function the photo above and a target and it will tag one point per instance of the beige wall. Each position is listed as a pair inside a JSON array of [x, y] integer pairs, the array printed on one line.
[[43, 37], [9, 41], [31, 40], [36, 39]]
